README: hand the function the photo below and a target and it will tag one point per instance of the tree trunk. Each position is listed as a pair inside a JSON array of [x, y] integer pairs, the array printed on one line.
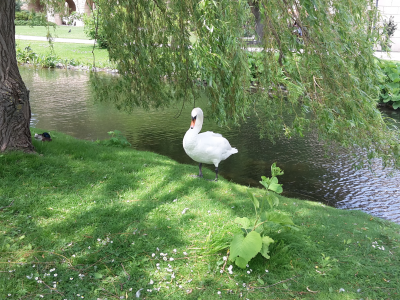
[[15, 111], [255, 9]]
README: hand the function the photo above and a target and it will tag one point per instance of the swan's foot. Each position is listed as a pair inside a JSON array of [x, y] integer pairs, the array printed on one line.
[[196, 176]]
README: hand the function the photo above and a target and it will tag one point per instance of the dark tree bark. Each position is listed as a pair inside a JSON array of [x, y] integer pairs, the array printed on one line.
[[15, 111], [255, 9]]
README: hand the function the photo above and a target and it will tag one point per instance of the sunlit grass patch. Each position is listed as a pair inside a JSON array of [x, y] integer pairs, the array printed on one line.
[[102, 222]]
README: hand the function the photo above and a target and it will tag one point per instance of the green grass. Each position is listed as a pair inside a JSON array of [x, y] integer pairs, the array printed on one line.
[[83, 219], [81, 53], [59, 31]]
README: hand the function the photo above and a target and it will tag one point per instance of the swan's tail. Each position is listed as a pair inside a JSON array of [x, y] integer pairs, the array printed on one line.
[[234, 150]]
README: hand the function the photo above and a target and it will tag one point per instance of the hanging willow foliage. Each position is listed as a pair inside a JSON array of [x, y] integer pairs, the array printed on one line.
[[318, 70]]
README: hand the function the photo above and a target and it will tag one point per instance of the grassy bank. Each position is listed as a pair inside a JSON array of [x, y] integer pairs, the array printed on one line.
[[58, 31], [80, 54], [83, 220]]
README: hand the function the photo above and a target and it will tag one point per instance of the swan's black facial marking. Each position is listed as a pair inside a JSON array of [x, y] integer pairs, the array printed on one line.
[[193, 122]]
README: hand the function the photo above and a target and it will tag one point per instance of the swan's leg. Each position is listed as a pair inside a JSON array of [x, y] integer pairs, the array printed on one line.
[[200, 172], [216, 173]]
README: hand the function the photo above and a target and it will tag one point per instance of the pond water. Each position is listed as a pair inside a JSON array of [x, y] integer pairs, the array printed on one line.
[[61, 100]]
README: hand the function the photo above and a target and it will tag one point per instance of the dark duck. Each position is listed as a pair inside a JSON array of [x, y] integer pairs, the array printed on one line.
[[44, 137]]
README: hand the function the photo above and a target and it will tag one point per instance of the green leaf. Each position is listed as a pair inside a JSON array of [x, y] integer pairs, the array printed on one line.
[[396, 105], [275, 186], [279, 218], [253, 199], [272, 199], [243, 249], [98, 276], [266, 241], [244, 222], [260, 281]]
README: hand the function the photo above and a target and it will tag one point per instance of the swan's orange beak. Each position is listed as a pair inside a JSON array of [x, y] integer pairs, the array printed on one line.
[[192, 123]]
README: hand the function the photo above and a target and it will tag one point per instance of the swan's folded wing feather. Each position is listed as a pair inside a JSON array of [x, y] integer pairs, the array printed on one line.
[[211, 133]]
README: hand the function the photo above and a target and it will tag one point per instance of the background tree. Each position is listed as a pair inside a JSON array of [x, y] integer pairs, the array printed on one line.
[[324, 80], [15, 113]]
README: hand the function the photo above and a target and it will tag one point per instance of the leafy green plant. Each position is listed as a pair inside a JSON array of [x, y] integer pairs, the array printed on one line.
[[390, 83], [256, 65], [116, 140], [254, 238], [26, 55], [49, 60]]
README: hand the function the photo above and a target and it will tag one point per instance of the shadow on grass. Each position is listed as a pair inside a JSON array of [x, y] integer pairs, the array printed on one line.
[[107, 222]]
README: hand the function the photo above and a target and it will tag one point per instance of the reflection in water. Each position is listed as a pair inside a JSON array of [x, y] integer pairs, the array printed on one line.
[[61, 101]]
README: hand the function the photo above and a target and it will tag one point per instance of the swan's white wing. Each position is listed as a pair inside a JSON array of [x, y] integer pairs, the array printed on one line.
[[210, 133]]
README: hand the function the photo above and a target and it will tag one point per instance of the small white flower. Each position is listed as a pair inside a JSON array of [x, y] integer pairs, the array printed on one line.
[[185, 210], [247, 265], [341, 290], [173, 275], [55, 274], [164, 258], [219, 292], [184, 253], [153, 255], [157, 264], [41, 296], [224, 258], [54, 285], [52, 270], [29, 277], [266, 271], [36, 278], [71, 278], [248, 272], [171, 258], [174, 250], [151, 281], [89, 247]]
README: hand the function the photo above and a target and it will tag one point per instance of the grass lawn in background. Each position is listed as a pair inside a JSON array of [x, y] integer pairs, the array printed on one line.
[[81, 220], [81, 53], [59, 31]]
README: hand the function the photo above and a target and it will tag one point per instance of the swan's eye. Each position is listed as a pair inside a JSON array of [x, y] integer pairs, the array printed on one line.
[[194, 118]]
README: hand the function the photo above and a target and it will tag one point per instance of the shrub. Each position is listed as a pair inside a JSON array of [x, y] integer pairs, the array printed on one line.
[[91, 22], [390, 83], [31, 18], [389, 27], [18, 4]]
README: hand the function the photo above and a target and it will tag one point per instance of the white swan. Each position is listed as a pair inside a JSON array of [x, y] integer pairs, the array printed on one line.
[[207, 147]]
